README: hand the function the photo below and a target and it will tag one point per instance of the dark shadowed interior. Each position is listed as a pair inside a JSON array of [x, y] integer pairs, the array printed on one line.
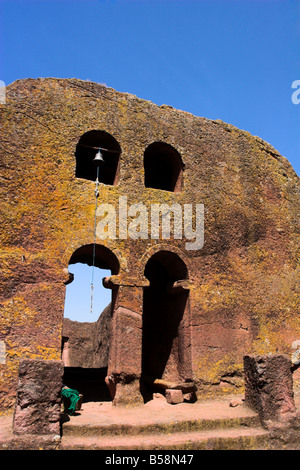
[[87, 147], [163, 312], [163, 167]]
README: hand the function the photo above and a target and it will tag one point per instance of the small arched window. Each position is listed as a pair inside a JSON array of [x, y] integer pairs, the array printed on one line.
[[86, 150], [163, 167]]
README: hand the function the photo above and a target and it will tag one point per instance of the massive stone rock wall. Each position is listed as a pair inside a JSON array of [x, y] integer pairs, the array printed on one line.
[[86, 344], [244, 282]]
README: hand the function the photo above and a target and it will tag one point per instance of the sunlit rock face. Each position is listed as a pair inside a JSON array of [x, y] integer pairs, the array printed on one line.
[[181, 309]]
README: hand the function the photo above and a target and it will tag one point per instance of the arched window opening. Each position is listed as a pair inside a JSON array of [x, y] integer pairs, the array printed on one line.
[[86, 334], [163, 167], [86, 150]]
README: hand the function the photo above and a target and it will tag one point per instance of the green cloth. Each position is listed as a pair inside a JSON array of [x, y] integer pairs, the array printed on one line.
[[73, 397]]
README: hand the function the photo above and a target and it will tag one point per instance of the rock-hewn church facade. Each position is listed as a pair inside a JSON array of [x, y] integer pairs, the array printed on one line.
[[179, 313]]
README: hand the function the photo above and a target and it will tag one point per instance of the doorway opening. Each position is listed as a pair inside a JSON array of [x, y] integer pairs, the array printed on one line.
[[166, 330], [86, 334], [78, 293]]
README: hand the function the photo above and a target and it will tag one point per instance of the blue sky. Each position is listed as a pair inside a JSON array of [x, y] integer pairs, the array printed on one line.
[[79, 293], [229, 60]]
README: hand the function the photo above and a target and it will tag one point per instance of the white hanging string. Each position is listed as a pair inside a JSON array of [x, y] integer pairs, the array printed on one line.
[[94, 247]]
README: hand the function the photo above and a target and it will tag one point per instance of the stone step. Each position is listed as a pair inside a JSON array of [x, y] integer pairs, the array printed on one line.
[[215, 439], [160, 426], [106, 420], [164, 428]]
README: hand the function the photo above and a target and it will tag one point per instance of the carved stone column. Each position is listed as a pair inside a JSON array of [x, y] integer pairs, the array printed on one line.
[[125, 356]]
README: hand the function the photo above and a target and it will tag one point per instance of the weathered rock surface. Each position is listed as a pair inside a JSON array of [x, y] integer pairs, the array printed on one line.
[[38, 402], [244, 283], [269, 387], [86, 344]]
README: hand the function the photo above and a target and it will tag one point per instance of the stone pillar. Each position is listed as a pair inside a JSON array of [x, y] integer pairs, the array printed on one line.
[[125, 354], [38, 400], [269, 387]]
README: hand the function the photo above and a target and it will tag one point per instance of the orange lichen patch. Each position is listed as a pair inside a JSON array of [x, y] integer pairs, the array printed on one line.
[[223, 376], [16, 310]]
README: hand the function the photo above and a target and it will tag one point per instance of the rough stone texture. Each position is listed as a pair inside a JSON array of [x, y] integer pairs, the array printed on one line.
[[125, 350], [87, 344], [38, 400], [269, 387], [125, 390], [243, 285], [174, 396]]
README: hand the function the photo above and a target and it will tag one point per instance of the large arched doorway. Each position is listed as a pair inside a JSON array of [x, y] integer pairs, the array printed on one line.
[[166, 337], [85, 343]]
